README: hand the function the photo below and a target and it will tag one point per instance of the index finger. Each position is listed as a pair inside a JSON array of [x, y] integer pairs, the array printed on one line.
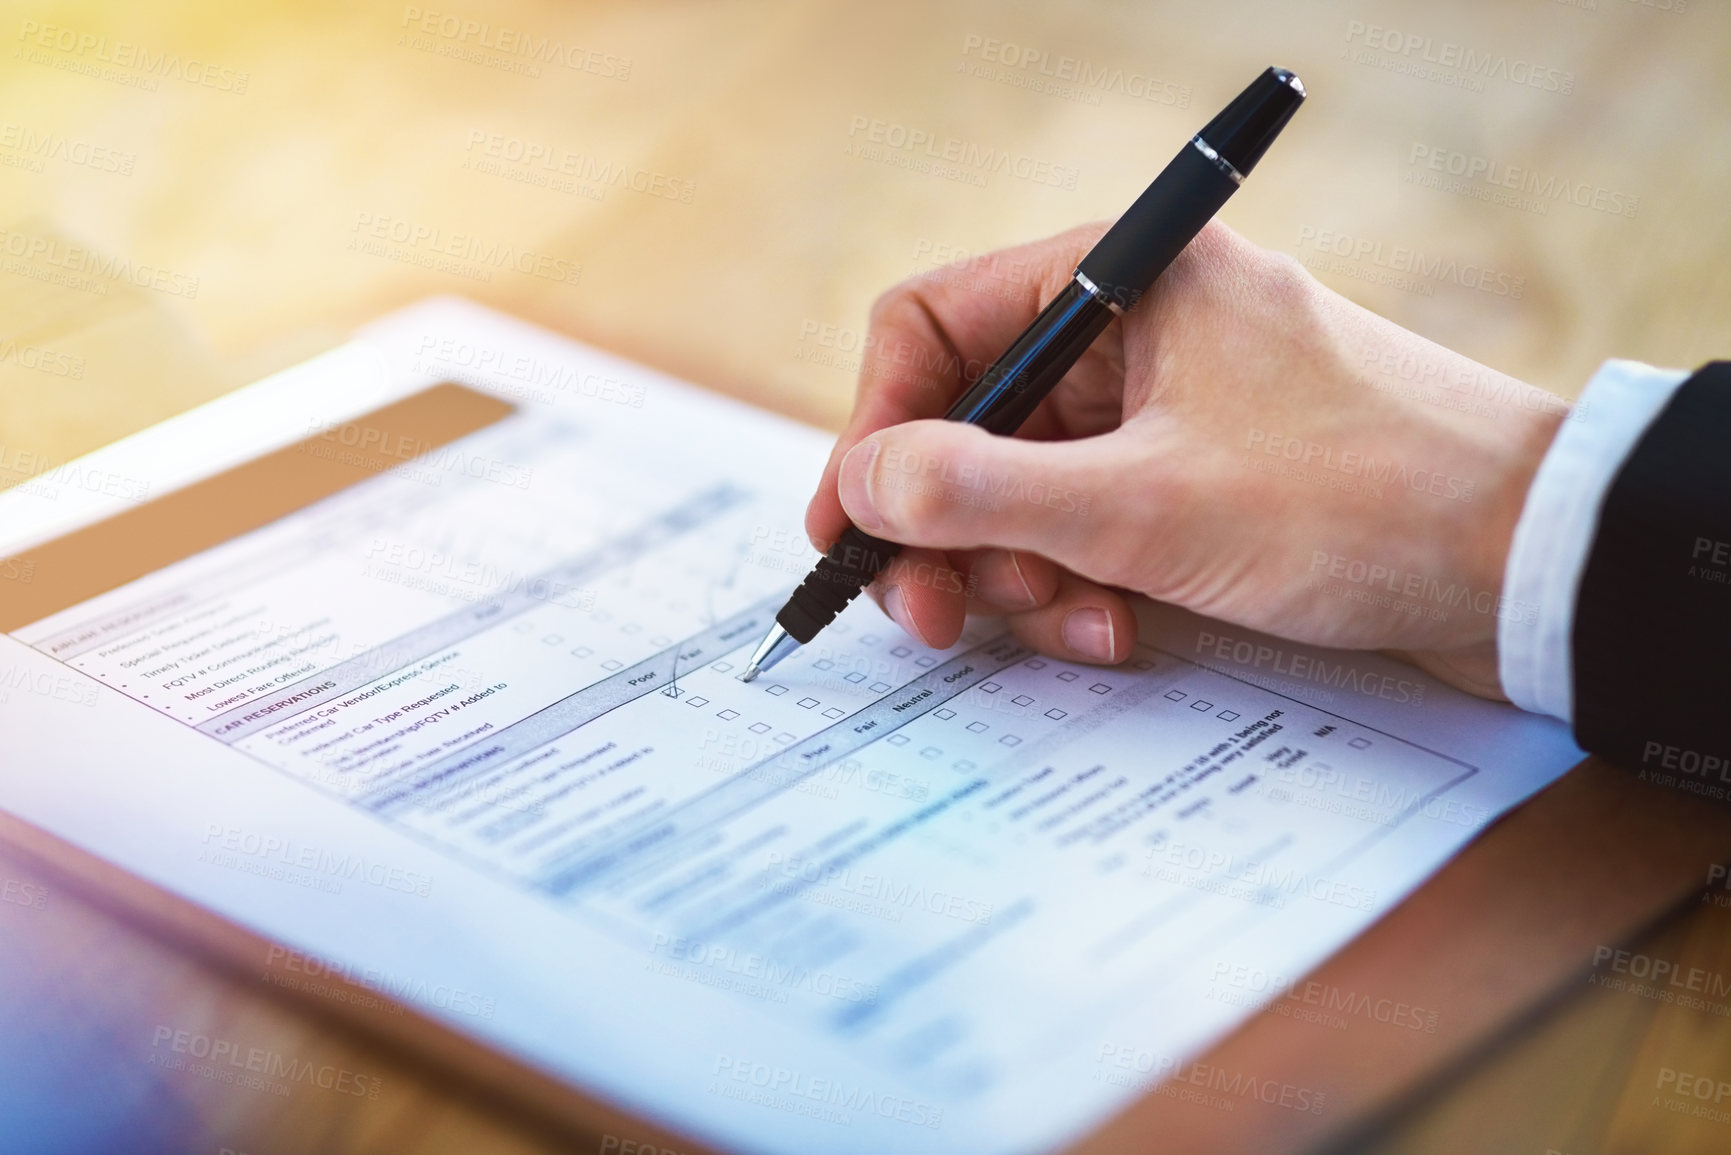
[[933, 335]]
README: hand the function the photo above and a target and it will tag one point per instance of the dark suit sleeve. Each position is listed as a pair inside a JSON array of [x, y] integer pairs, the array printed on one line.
[[1652, 623]]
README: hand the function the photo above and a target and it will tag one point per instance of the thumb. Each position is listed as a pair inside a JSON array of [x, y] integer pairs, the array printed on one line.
[[947, 485]]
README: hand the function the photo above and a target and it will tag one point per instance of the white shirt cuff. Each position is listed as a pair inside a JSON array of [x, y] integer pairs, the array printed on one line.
[[1557, 527]]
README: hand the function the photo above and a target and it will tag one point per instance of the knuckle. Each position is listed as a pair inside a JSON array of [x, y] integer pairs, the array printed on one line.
[[894, 303], [918, 508], [1284, 277], [1280, 282]]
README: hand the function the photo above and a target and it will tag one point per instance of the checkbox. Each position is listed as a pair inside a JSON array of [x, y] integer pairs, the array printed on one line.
[[1022, 700], [582, 652], [869, 639], [930, 752], [898, 739], [1056, 715], [807, 703], [880, 687], [673, 692], [612, 664], [777, 690], [1035, 663], [964, 765], [926, 661], [1067, 676], [856, 677], [722, 667], [784, 737], [946, 714], [552, 639], [1228, 715], [1143, 663], [661, 640], [697, 701], [1199, 704], [834, 712], [1100, 688], [631, 628], [728, 715], [1359, 743], [1010, 740], [1176, 695], [900, 652], [760, 727], [977, 727], [823, 664], [989, 687]]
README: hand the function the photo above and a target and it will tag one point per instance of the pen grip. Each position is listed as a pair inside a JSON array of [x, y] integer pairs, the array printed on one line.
[[849, 567]]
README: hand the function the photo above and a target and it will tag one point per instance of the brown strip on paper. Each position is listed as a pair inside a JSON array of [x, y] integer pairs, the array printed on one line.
[[104, 556]]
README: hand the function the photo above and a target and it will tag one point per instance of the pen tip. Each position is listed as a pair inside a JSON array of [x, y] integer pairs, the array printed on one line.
[[776, 645]]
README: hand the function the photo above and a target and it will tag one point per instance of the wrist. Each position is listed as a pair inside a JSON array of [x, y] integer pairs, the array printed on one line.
[[1528, 437]]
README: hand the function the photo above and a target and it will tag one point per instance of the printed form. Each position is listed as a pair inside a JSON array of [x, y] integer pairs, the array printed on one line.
[[474, 726]]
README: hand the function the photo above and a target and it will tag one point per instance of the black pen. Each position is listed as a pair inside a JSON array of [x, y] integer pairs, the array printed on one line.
[[1110, 280]]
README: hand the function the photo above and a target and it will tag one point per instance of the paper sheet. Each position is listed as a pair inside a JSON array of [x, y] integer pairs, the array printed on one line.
[[470, 733]]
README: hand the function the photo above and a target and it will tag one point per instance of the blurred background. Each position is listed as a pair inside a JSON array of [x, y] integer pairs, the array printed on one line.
[[721, 188], [193, 195]]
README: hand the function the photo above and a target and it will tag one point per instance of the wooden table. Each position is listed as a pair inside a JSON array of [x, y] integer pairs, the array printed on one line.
[[192, 199]]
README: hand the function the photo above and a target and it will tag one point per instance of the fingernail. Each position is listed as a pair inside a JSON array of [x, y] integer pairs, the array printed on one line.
[[855, 485], [1089, 633], [997, 579], [896, 606], [1027, 590]]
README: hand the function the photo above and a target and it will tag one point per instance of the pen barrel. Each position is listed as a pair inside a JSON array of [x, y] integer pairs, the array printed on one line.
[[1015, 384], [849, 567], [1151, 234], [1110, 280]]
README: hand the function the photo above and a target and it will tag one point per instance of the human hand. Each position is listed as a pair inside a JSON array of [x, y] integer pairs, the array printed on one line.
[[1245, 443]]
